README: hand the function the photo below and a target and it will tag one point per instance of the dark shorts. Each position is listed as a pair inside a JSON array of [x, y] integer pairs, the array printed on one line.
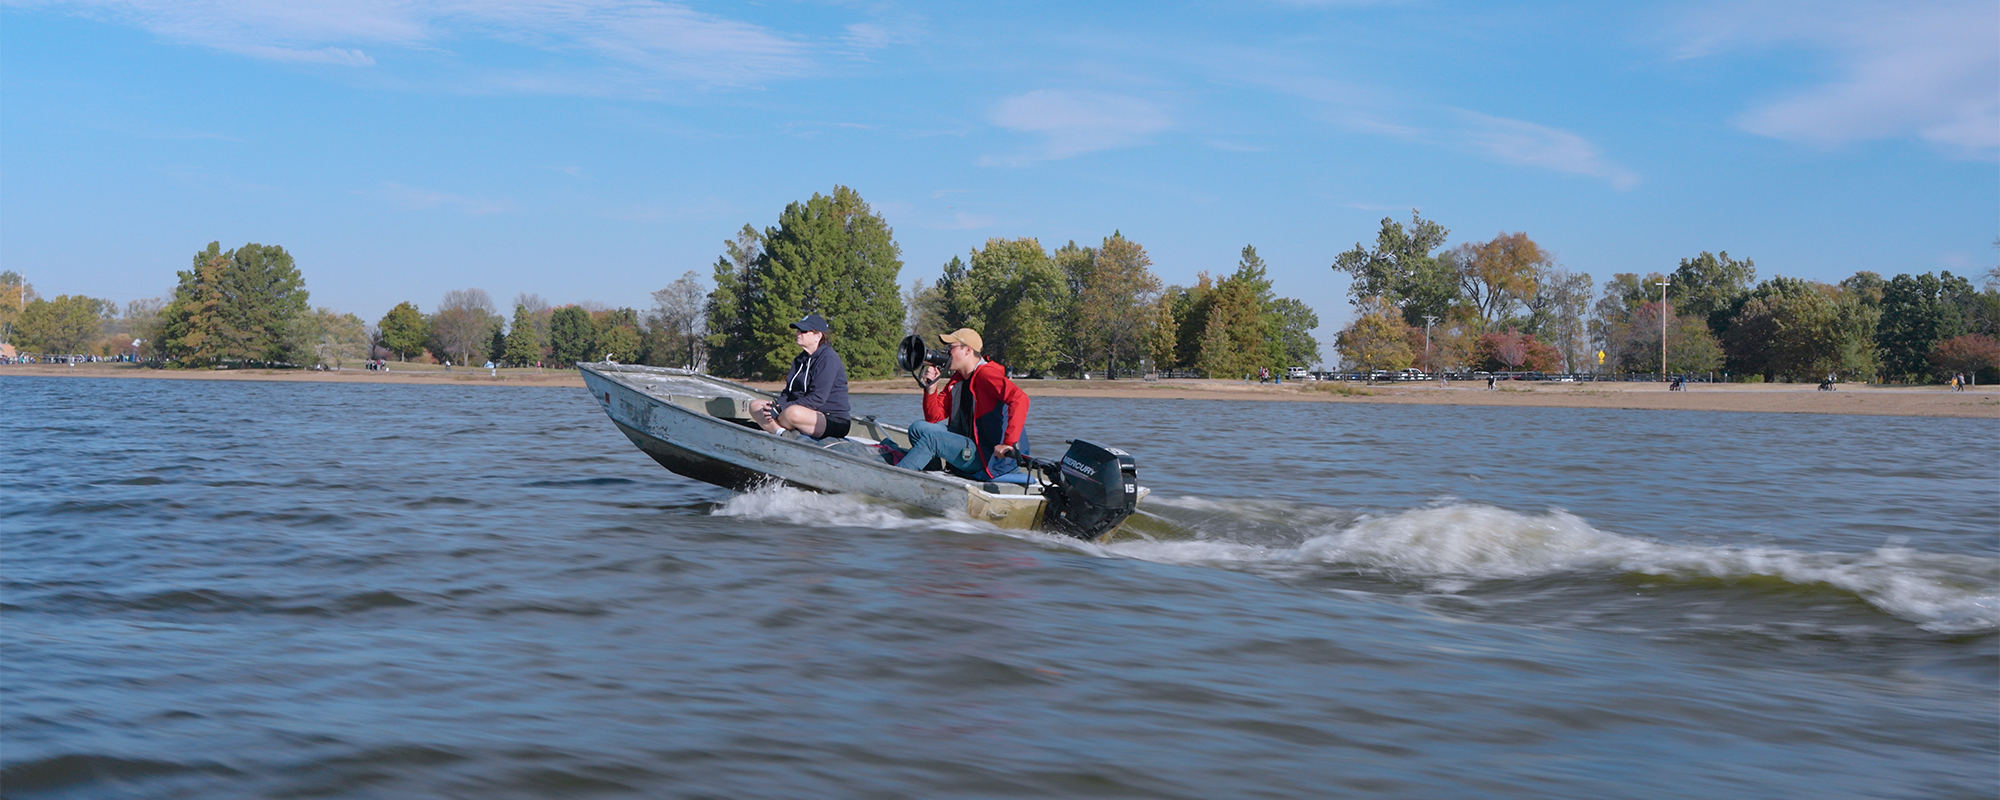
[[836, 428]]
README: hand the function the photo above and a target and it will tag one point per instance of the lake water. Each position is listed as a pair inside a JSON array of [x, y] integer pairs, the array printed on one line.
[[238, 589]]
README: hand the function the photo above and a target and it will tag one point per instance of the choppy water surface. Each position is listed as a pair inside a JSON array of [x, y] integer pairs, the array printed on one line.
[[221, 589]]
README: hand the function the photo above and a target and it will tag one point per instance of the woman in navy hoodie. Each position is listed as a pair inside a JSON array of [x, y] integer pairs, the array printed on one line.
[[814, 400]]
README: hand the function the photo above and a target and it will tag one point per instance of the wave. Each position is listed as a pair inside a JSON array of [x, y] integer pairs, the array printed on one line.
[[215, 601], [562, 484], [1452, 547], [1449, 548]]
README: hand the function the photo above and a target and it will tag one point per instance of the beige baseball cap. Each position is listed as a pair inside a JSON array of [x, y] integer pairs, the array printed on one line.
[[964, 336]]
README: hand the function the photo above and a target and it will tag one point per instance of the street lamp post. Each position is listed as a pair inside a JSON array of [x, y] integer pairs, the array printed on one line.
[[1663, 329], [1428, 364]]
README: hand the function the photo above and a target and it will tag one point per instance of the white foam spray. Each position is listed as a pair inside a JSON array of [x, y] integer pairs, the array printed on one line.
[[1451, 547], [780, 503]]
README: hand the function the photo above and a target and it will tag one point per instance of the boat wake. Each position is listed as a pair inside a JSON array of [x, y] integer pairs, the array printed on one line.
[[1461, 547], [776, 502], [1452, 548]]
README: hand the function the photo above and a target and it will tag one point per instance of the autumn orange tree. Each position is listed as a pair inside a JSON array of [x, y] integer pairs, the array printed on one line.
[[1499, 275], [1377, 340], [14, 296]]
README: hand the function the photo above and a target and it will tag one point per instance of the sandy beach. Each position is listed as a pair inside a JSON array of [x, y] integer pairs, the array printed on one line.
[[1792, 398]]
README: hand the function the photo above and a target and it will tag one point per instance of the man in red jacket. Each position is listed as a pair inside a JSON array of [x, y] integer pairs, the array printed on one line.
[[974, 421]]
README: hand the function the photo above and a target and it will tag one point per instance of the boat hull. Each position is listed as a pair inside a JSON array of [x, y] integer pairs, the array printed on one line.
[[698, 426]]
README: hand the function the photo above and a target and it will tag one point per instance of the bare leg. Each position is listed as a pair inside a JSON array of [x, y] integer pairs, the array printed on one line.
[[804, 420], [760, 414]]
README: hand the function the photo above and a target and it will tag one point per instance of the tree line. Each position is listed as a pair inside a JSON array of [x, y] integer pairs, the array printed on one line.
[[467, 328], [1506, 304], [248, 306], [1069, 311]]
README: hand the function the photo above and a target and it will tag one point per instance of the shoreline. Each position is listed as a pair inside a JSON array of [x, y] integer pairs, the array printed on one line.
[[1774, 398]]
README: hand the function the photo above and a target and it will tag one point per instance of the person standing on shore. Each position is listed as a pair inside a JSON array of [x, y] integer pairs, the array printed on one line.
[[814, 400]]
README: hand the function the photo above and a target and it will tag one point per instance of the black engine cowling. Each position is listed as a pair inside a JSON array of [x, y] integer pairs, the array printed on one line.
[[1092, 489]]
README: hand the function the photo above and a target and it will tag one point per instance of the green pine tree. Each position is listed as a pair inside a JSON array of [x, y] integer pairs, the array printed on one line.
[[524, 340], [728, 341], [572, 336], [830, 255], [243, 305]]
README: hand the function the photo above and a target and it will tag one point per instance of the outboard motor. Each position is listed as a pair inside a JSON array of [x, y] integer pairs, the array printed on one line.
[[1091, 491], [912, 355]]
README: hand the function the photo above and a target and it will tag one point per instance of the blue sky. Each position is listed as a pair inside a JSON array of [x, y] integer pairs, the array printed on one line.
[[594, 151]]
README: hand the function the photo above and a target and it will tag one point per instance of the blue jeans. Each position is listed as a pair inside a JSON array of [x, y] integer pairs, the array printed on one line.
[[930, 440]]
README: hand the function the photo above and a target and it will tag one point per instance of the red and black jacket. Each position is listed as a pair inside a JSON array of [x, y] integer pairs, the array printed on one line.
[[999, 414]]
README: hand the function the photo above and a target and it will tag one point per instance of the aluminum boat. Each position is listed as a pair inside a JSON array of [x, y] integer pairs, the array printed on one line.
[[699, 426]]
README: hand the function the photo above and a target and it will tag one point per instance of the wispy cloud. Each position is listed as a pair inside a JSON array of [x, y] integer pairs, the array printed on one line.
[[1927, 70], [877, 35], [1515, 141], [1071, 123], [205, 179], [324, 55], [704, 208], [410, 198], [861, 41], [656, 40], [961, 221], [813, 130], [1374, 112]]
